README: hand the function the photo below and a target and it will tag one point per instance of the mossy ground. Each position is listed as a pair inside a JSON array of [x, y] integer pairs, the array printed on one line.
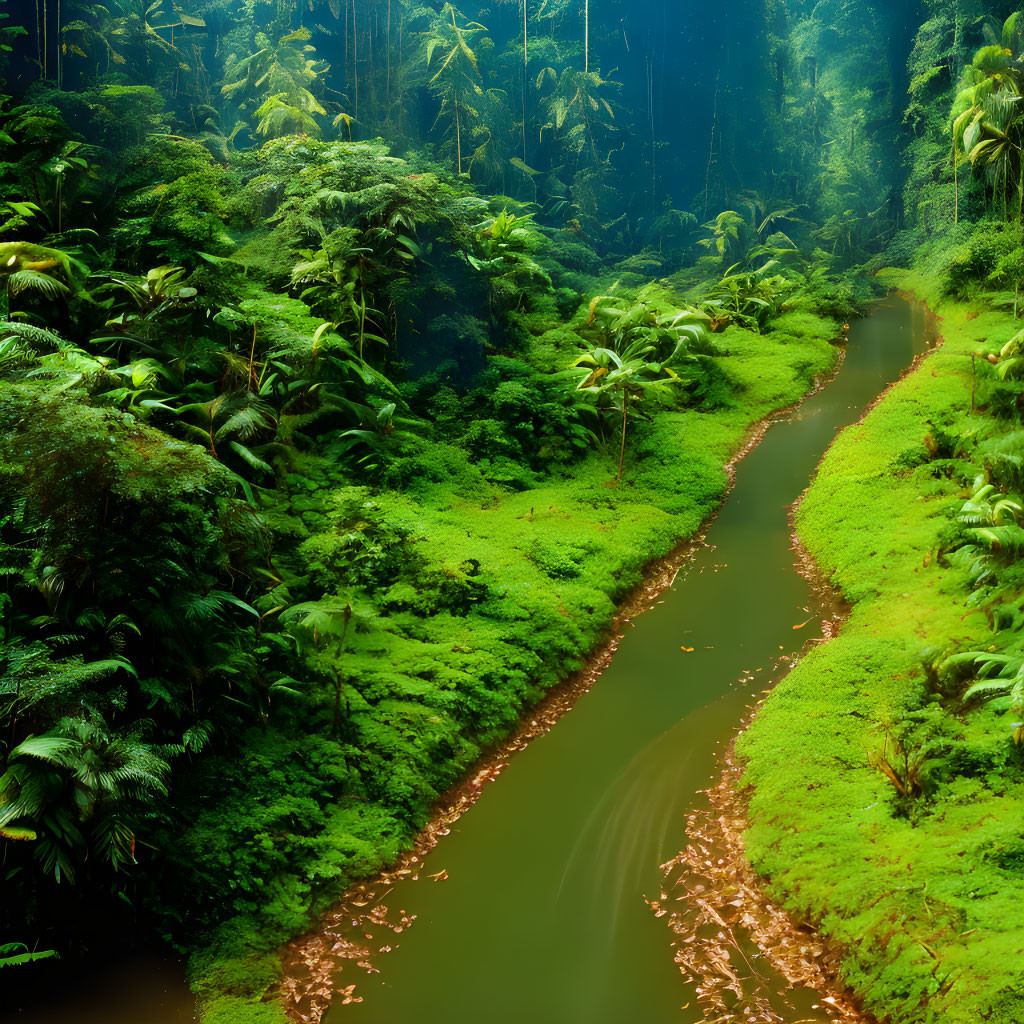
[[553, 560], [925, 894]]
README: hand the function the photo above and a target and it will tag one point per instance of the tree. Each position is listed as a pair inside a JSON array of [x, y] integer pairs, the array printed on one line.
[[578, 112], [457, 80], [279, 76]]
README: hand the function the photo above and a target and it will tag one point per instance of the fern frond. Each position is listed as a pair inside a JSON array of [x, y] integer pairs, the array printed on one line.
[[32, 280]]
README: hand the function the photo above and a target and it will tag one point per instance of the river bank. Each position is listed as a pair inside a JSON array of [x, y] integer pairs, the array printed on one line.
[[311, 961], [880, 802]]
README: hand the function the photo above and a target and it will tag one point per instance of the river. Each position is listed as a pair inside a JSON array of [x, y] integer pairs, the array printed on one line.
[[538, 909], [540, 914]]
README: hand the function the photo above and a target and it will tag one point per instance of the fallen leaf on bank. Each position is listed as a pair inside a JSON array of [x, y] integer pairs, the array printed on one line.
[[802, 624], [440, 876]]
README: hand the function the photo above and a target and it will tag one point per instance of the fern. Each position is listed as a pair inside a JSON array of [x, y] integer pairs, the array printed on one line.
[[39, 336], [32, 280]]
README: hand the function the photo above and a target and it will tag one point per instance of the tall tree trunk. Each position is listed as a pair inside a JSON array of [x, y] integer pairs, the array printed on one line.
[[654, 151], [586, 35], [711, 149], [525, 64], [355, 58]]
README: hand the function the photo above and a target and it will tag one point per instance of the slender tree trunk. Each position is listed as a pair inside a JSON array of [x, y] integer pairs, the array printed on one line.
[[355, 58], [654, 154], [387, 80], [46, 40], [622, 446], [586, 35], [362, 310], [525, 65], [371, 30], [458, 135], [956, 187], [711, 149], [253, 382]]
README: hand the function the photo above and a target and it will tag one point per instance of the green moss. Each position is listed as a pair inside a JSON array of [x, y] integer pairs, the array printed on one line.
[[232, 1010]]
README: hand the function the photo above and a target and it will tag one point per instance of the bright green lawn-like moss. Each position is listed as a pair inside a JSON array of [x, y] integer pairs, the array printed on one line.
[[926, 896], [447, 668]]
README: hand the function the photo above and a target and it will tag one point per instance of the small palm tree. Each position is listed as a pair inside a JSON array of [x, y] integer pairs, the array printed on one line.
[[988, 122], [625, 380], [636, 350]]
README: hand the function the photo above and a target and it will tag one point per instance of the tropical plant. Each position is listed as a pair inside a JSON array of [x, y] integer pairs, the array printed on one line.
[[334, 280], [988, 119], [321, 629], [728, 236], [998, 675], [132, 32], [14, 954], [578, 112], [48, 272], [278, 78], [635, 357], [456, 82], [380, 432], [501, 247], [749, 297], [75, 791]]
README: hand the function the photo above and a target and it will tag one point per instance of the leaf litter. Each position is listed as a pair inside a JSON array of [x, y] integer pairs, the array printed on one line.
[[741, 951]]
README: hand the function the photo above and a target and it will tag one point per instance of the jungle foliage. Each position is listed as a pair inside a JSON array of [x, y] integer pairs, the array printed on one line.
[[318, 325]]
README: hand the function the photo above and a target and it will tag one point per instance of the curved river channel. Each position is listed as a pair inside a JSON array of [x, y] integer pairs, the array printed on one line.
[[542, 917], [539, 914]]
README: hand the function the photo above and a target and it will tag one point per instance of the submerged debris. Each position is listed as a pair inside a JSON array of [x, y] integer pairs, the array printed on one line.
[[729, 938]]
